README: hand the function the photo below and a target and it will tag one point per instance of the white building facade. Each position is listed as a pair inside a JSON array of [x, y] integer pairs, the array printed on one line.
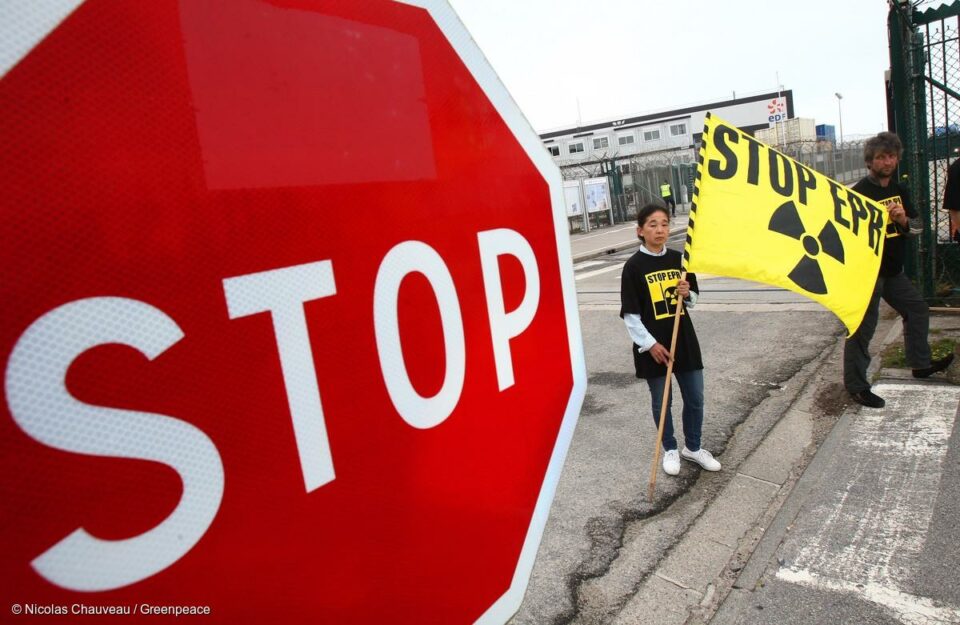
[[633, 156], [677, 130]]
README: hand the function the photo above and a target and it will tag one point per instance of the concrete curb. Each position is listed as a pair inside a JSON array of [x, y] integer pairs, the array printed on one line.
[[622, 247], [608, 252]]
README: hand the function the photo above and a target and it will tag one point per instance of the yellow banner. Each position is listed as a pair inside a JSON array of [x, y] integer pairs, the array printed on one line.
[[759, 215]]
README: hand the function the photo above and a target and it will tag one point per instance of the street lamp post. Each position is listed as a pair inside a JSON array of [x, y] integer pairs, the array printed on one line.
[[840, 113]]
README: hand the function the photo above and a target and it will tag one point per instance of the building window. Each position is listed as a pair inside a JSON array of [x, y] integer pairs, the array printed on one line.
[[600, 143], [677, 130], [651, 135], [625, 139], [554, 150], [575, 147]]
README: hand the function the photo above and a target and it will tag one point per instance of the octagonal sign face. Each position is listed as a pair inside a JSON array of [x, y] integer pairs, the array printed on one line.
[[289, 328]]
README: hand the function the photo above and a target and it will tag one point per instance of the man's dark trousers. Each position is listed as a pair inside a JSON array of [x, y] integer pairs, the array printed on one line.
[[904, 298]]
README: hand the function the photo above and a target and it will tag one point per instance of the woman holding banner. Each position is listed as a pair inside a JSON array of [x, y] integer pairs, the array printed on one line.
[[651, 282]]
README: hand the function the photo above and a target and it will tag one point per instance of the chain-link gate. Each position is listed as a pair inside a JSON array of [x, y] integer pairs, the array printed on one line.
[[635, 180], [924, 106]]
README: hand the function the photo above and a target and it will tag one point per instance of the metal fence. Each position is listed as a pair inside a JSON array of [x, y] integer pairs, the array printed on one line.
[[841, 161], [924, 102], [635, 180]]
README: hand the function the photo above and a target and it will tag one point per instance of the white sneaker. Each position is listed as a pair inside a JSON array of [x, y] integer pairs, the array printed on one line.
[[702, 457], [671, 462]]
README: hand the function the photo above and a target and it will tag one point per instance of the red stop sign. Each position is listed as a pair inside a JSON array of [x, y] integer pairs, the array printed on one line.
[[289, 329]]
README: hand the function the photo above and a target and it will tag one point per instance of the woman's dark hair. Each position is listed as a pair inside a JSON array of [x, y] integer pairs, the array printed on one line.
[[647, 210]]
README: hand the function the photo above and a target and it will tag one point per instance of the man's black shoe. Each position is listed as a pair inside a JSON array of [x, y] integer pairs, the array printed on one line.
[[935, 366], [868, 399]]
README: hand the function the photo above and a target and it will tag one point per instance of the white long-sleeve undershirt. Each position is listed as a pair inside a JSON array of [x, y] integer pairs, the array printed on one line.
[[638, 332]]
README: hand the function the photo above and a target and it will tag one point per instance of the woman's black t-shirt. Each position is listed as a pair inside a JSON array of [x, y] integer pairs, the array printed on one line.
[[648, 287]]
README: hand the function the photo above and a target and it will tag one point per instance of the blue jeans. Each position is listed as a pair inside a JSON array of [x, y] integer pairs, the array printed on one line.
[[691, 390]]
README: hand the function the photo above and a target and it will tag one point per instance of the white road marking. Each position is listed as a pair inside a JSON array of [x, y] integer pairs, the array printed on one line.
[[874, 521], [681, 232], [587, 263], [597, 272], [615, 245], [910, 609], [631, 227]]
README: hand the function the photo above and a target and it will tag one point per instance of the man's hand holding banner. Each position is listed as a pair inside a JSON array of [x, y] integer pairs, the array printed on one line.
[[759, 215]]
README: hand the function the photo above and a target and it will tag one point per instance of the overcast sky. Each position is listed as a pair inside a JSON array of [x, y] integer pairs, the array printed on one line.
[[623, 57]]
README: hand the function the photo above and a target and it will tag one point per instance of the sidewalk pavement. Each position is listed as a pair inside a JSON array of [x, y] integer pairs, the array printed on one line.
[[843, 518]]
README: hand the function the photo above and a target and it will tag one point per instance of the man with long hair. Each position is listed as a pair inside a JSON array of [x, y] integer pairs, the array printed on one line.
[[882, 156]]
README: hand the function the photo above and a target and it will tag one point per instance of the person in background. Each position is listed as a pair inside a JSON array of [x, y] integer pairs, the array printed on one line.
[[666, 193], [882, 155], [649, 288], [951, 199]]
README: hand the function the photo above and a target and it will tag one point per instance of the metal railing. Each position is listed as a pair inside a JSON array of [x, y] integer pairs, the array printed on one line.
[[635, 180]]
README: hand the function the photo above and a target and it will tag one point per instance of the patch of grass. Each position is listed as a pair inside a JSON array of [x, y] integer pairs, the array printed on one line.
[[944, 288], [893, 356]]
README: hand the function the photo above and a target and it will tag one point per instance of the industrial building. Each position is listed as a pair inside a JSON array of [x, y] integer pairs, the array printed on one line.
[[676, 130], [613, 166]]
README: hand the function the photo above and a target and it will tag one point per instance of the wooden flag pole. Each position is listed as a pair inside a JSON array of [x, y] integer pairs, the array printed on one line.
[[666, 396]]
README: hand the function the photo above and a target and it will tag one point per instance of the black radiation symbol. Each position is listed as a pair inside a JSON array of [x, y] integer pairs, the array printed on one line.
[[807, 274], [670, 295]]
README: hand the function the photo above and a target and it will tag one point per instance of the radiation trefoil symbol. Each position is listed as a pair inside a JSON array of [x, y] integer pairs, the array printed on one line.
[[670, 295], [807, 274]]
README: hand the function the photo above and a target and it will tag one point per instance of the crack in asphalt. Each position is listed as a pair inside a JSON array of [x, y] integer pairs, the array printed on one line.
[[606, 533]]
